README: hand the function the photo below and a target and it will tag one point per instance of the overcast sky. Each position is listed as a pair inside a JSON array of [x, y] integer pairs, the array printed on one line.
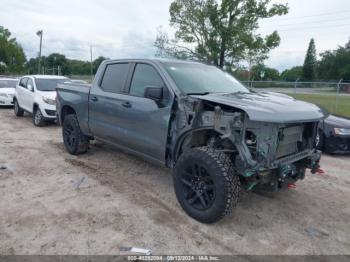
[[127, 28]]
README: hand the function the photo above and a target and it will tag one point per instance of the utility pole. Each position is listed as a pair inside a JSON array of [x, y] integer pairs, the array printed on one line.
[[295, 85], [91, 66], [337, 97], [40, 34]]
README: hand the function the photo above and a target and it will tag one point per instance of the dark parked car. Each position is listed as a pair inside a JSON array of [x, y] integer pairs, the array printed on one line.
[[334, 135], [215, 134]]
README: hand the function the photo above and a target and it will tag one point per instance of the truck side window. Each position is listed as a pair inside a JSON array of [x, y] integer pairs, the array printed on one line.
[[144, 76], [114, 77]]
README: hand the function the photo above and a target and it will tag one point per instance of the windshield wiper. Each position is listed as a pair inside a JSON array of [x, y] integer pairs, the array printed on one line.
[[199, 94]]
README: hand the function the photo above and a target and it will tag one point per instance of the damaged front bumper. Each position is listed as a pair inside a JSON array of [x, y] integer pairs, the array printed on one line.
[[283, 171]]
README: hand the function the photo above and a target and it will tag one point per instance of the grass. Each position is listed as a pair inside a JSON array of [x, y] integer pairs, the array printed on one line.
[[328, 102]]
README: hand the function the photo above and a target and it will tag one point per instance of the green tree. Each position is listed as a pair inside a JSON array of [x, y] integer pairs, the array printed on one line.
[[310, 63], [269, 74], [220, 32], [55, 61], [12, 58], [96, 63], [292, 74], [335, 64], [78, 67], [32, 66], [67, 66]]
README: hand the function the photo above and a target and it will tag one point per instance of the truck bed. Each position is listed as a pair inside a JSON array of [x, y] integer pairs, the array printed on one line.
[[75, 96]]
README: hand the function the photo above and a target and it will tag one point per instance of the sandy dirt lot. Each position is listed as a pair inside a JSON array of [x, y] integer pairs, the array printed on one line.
[[124, 201]]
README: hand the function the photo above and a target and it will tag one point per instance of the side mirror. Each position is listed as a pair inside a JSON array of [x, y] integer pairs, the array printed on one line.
[[154, 93], [30, 88]]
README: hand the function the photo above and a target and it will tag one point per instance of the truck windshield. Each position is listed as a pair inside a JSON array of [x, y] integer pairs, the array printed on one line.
[[193, 78], [8, 83], [48, 84]]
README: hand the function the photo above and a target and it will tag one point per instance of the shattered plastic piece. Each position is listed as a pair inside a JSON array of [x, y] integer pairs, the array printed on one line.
[[79, 182], [320, 171], [143, 251], [292, 186]]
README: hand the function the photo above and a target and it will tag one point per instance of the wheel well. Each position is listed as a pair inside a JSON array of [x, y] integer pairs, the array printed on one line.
[[197, 138], [35, 106], [66, 110]]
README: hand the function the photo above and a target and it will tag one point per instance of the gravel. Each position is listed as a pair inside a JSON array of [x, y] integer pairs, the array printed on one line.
[[125, 201]]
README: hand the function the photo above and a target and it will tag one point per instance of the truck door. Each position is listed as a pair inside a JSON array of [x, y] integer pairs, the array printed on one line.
[[105, 103], [145, 121]]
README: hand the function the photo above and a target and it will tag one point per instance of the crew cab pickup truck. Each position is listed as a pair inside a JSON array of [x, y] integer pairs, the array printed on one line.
[[36, 94], [215, 134]]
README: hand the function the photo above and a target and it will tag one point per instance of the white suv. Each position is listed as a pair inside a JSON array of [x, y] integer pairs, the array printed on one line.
[[36, 94]]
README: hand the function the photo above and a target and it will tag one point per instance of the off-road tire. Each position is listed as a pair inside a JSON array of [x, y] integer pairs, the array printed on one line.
[[227, 185], [74, 140], [38, 118], [17, 109]]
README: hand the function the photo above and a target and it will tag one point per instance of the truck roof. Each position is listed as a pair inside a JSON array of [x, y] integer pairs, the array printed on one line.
[[158, 60]]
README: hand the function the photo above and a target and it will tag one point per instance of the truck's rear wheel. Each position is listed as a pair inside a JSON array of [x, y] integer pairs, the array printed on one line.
[[205, 184], [73, 138], [17, 109]]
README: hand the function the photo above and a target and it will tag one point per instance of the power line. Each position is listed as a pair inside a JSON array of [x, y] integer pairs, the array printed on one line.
[[308, 16], [310, 22], [311, 27]]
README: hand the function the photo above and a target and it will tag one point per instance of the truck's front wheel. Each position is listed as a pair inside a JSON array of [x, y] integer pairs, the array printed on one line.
[[205, 184], [74, 140]]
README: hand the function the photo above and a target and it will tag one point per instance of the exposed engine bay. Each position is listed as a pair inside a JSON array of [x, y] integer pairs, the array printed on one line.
[[267, 155]]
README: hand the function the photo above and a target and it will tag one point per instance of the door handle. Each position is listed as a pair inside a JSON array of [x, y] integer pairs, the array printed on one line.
[[94, 99], [126, 104]]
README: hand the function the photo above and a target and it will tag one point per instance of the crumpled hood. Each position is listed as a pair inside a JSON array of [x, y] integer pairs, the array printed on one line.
[[269, 106]]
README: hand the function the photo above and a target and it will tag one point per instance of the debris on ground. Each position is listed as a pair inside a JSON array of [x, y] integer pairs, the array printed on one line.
[[320, 172], [79, 182], [142, 210], [292, 186], [143, 251], [314, 232], [3, 167]]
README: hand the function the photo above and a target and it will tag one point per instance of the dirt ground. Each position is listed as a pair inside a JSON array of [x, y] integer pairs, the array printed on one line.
[[124, 201]]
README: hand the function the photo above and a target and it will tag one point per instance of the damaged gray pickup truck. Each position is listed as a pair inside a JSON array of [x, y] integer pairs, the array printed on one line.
[[216, 135]]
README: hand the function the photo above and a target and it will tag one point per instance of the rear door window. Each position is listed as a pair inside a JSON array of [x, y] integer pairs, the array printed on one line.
[[114, 77]]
